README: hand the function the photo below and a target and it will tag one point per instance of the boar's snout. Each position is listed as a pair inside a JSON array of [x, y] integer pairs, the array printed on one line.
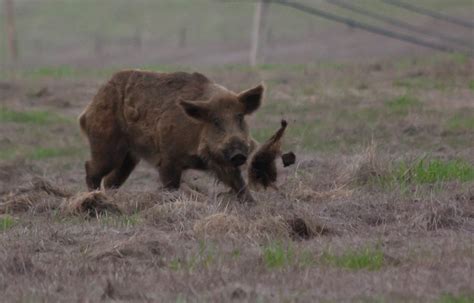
[[236, 153]]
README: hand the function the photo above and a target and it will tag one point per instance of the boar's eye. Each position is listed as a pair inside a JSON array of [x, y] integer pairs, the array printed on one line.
[[240, 119], [217, 123]]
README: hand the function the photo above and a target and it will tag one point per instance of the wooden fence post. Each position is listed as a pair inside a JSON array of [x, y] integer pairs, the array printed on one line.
[[258, 28], [10, 33]]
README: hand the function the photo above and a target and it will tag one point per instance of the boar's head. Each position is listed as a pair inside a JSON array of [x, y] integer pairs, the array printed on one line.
[[225, 136]]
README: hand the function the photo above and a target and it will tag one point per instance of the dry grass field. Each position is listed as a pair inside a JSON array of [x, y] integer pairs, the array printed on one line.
[[378, 208]]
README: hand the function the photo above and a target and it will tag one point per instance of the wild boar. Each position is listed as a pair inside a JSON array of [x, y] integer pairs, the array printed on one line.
[[174, 121]]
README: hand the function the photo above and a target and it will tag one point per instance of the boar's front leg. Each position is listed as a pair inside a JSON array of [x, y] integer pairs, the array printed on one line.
[[232, 177]]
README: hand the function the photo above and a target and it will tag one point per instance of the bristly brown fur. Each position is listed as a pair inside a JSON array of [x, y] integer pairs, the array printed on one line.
[[175, 121]]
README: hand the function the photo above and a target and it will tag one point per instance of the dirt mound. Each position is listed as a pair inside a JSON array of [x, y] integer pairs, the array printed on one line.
[[301, 230]]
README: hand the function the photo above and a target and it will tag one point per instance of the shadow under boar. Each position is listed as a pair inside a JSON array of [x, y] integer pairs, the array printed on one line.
[[174, 121]]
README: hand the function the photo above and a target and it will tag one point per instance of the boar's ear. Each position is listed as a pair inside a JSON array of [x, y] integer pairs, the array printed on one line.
[[196, 109], [252, 98]]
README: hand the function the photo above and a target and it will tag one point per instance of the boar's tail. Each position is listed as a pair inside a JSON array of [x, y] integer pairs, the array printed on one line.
[[276, 137], [82, 123]]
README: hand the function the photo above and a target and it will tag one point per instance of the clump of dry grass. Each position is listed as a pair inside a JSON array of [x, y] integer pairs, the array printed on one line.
[[305, 193], [177, 215], [134, 202], [46, 186], [269, 227], [364, 167], [264, 223], [38, 195], [466, 202], [221, 224], [17, 203], [91, 204], [142, 246], [20, 264], [433, 215], [216, 219], [309, 183]]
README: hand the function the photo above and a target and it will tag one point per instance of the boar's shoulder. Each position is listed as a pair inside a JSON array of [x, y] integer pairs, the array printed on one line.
[[147, 95], [166, 86]]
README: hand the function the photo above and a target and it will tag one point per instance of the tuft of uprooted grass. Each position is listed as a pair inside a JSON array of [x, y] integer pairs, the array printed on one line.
[[433, 215], [92, 204], [367, 258]]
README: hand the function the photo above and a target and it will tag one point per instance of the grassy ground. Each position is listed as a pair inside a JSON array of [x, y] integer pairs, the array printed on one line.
[[379, 207]]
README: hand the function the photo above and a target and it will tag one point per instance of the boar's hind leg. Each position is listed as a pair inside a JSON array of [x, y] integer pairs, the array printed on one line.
[[95, 171], [102, 162], [120, 174], [170, 175]]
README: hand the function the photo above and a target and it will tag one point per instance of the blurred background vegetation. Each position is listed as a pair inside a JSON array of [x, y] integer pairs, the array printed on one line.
[[59, 37]]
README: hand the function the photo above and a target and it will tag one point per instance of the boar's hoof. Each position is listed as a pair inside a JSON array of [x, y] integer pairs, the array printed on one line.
[[247, 198], [244, 197], [288, 159]]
